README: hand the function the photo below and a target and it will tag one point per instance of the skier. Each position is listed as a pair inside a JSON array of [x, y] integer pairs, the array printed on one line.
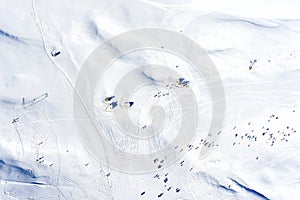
[[15, 120]]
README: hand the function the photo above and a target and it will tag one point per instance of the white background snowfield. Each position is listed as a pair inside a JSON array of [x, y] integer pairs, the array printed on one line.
[[43, 44]]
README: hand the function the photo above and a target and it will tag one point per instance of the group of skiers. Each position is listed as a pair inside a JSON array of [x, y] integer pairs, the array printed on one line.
[[270, 134]]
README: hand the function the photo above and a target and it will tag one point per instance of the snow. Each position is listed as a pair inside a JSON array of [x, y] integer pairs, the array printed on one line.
[[42, 155]]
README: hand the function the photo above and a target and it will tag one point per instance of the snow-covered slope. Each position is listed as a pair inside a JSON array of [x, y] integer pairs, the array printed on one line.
[[256, 157]]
